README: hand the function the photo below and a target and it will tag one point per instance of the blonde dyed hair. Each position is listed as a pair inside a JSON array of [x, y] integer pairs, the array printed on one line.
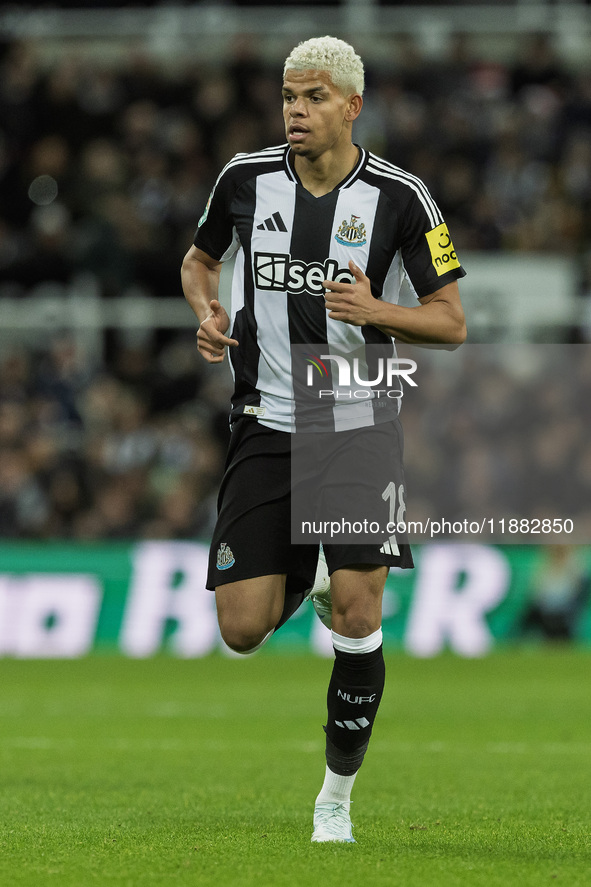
[[332, 55]]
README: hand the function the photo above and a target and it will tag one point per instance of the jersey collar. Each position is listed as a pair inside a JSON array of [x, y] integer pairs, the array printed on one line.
[[346, 182]]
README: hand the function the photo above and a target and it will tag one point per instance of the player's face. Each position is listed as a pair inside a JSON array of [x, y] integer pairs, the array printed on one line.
[[316, 113]]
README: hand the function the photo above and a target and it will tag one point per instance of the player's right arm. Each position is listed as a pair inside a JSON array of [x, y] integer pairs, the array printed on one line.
[[200, 277]]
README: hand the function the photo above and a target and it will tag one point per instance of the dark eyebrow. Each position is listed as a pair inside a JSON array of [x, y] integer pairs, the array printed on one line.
[[311, 91]]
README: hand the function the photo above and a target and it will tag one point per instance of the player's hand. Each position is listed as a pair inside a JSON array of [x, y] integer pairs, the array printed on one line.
[[350, 302], [211, 341]]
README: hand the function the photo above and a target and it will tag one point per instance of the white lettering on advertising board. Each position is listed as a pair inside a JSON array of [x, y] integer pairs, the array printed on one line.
[[48, 615], [168, 583], [447, 613]]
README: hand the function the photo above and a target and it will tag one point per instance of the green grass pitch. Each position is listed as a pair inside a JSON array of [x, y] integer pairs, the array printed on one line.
[[157, 772]]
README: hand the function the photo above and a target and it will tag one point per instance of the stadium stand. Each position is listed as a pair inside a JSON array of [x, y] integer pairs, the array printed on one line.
[[105, 167]]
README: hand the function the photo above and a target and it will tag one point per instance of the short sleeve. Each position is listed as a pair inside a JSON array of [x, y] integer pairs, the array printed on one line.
[[215, 233], [428, 254]]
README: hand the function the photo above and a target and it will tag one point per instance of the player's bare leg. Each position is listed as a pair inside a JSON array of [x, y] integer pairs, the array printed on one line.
[[354, 692], [249, 610], [357, 594]]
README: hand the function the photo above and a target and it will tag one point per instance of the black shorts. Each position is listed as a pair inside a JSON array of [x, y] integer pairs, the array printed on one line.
[[253, 533]]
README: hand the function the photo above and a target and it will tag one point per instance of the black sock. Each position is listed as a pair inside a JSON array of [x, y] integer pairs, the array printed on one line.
[[354, 695]]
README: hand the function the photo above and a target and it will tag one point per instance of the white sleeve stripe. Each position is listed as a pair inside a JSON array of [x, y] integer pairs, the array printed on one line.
[[399, 175], [385, 165], [269, 155], [427, 201]]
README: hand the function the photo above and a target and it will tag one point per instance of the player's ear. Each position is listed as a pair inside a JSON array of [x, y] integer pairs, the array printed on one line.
[[354, 105]]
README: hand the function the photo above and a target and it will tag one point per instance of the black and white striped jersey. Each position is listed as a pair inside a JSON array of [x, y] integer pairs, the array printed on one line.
[[287, 242]]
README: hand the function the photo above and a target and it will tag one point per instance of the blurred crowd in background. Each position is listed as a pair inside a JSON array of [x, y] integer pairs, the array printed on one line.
[[105, 170], [500, 433], [131, 449]]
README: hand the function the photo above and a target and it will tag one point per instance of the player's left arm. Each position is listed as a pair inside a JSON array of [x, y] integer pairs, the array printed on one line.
[[439, 319]]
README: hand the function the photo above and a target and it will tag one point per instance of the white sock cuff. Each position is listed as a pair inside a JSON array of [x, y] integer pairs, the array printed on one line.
[[336, 789], [357, 645]]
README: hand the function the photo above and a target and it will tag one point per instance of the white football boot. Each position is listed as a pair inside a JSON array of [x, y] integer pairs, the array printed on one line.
[[319, 594], [332, 823]]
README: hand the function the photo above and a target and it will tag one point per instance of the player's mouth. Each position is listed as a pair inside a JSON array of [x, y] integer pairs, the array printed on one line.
[[297, 133]]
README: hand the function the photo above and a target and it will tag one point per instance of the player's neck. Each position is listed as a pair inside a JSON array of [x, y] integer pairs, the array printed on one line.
[[322, 174]]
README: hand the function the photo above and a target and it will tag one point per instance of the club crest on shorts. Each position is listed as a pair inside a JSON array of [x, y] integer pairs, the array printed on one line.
[[225, 558]]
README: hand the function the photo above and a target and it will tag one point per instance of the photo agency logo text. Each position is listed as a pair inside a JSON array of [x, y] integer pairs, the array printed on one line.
[[348, 372]]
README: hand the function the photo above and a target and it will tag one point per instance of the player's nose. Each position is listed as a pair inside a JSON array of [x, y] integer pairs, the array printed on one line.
[[297, 107]]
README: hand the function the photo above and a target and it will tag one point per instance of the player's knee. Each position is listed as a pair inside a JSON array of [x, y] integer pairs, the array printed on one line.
[[355, 622], [242, 638]]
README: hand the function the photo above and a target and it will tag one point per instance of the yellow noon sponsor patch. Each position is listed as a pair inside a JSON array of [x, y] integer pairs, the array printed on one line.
[[443, 254]]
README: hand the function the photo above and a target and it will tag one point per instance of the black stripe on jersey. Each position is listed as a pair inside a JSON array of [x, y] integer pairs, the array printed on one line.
[[391, 171], [384, 245], [381, 253], [245, 359], [388, 170], [311, 238]]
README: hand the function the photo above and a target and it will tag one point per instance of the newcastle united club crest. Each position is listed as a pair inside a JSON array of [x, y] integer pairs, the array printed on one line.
[[352, 233], [225, 559]]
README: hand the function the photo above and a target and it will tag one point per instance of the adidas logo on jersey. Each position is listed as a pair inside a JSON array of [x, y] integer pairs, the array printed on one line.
[[274, 223], [278, 272]]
